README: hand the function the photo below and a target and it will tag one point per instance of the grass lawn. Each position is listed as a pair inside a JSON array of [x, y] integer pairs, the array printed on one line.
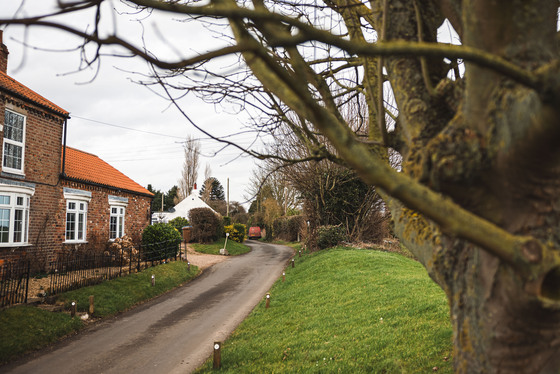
[[233, 247], [25, 328], [347, 311]]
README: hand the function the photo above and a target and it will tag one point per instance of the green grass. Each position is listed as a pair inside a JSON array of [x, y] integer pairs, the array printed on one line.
[[233, 248], [26, 328], [122, 293], [348, 311]]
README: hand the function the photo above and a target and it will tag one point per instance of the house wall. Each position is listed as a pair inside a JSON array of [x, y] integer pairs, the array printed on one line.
[[98, 217], [43, 138]]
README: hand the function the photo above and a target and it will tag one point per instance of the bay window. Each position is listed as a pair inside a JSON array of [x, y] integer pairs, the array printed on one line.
[[14, 215]]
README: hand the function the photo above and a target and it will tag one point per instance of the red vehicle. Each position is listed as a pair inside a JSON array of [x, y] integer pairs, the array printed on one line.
[[254, 232]]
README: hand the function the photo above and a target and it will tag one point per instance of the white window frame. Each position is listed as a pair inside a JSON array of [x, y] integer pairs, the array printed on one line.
[[16, 143], [77, 204], [117, 214], [15, 204]]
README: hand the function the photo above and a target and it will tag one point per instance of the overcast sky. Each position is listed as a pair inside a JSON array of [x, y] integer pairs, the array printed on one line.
[[125, 124]]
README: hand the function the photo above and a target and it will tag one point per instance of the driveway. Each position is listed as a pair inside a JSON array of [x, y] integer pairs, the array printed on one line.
[[175, 332]]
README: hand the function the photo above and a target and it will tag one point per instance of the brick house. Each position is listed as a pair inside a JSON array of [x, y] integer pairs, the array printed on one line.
[[54, 198], [116, 205]]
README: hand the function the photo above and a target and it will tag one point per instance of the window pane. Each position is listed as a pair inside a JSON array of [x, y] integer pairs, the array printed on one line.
[[71, 206], [82, 206], [4, 200], [13, 129], [121, 220], [113, 228], [4, 225], [19, 201], [12, 156], [80, 226], [70, 226], [18, 225]]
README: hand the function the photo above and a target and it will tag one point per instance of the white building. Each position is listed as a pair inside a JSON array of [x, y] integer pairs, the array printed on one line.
[[181, 210]]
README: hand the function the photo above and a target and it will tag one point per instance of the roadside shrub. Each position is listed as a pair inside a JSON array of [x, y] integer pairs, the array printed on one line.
[[287, 228], [160, 241], [236, 232], [207, 227], [330, 236], [227, 221], [179, 222], [375, 228]]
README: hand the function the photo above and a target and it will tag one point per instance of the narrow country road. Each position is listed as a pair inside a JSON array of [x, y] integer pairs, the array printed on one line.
[[173, 333]]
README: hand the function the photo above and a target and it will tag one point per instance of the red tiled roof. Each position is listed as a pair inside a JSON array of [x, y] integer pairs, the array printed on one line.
[[11, 85], [85, 167]]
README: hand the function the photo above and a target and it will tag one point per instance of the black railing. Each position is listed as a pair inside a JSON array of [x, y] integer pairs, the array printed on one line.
[[74, 271], [14, 283]]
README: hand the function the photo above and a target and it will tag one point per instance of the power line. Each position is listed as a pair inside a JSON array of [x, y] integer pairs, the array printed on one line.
[[129, 128]]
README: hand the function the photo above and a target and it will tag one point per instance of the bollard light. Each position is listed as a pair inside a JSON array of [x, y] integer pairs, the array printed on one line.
[[217, 355]]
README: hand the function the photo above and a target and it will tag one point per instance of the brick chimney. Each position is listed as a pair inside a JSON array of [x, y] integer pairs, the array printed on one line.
[[3, 54]]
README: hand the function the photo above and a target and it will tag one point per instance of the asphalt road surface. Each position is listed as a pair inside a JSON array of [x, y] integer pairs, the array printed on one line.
[[173, 333]]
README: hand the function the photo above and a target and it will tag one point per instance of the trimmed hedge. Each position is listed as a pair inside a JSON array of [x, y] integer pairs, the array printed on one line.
[[160, 241], [207, 226]]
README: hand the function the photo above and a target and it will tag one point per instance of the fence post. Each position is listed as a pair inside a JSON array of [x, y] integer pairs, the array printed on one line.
[[73, 309], [267, 301]]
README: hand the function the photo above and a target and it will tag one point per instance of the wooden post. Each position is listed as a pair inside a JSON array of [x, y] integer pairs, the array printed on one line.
[[267, 301], [73, 309], [300, 253], [188, 266], [217, 355], [293, 263], [91, 306], [283, 276], [153, 280]]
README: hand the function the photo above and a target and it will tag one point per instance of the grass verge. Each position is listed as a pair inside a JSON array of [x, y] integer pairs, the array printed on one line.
[[358, 311], [26, 328], [233, 247]]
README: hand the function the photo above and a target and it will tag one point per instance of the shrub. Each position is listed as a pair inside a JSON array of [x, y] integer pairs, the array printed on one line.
[[206, 225], [227, 221], [236, 232], [330, 236], [287, 228], [179, 222], [160, 241]]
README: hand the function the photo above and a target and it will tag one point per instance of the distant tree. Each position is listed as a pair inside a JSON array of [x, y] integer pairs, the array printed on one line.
[[156, 202], [170, 198], [189, 174], [211, 190], [219, 206]]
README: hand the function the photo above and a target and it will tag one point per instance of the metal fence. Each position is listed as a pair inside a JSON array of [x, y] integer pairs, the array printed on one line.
[[74, 271], [14, 283]]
